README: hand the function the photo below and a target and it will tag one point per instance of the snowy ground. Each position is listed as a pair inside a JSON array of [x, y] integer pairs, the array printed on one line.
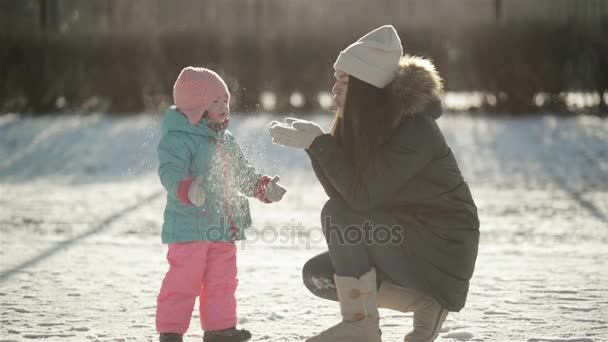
[[81, 208]]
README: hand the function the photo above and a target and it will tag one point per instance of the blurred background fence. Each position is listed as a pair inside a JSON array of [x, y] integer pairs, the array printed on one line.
[[123, 56]]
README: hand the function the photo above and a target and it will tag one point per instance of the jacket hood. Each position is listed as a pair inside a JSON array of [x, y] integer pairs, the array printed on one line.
[[175, 121], [417, 88]]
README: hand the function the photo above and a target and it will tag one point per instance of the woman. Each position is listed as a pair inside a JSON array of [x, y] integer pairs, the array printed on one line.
[[400, 223]]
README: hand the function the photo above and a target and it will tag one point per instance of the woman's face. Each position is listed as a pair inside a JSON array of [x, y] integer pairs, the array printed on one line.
[[219, 110], [339, 89]]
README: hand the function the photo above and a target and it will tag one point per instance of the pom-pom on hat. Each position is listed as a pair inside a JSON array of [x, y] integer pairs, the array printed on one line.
[[374, 58], [195, 89]]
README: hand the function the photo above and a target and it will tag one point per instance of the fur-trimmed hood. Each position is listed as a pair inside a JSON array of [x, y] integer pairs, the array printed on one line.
[[417, 88]]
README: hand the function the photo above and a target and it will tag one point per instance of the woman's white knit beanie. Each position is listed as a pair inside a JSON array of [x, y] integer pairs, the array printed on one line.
[[374, 58]]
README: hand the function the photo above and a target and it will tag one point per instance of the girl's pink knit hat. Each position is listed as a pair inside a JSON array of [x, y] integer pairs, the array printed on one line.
[[194, 91]]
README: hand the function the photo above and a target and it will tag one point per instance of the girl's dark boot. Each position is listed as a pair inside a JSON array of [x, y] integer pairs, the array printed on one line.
[[227, 335], [170, 337]]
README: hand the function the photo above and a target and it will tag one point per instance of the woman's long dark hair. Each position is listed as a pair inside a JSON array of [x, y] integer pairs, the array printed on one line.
[[367, 123]]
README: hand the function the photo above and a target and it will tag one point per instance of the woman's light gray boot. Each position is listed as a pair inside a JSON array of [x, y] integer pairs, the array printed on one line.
[[359, 309], [428, 314]]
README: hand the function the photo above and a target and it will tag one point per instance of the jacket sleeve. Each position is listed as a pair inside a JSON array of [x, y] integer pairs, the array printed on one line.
[[174, 155], [247, 180], [406, 153], [329, 188]]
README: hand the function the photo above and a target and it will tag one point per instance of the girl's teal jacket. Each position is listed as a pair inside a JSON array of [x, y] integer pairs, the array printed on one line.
[[186, 151]]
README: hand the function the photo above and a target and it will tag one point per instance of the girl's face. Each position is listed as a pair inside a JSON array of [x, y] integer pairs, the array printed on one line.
[[219, 110], [339, 89]]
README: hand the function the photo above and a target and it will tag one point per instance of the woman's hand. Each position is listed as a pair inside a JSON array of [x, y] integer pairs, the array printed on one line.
[[288, 121], [296, 133]]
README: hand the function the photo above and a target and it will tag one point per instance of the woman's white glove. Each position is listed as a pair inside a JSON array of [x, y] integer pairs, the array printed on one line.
[[296, 133], [288, 121], [274, 191], [196, 193]]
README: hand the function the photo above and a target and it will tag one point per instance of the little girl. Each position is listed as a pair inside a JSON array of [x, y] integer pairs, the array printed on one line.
[[206, 175]]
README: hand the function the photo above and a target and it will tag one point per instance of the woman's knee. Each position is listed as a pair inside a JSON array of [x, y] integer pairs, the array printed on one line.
[[319, 264], [331, 208], [317, 275], [307, 269], [333, 216]]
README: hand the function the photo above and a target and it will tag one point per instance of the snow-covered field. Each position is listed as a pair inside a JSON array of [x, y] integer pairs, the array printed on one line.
[[81, 211]]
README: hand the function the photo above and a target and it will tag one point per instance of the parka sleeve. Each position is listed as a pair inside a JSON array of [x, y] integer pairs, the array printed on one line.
[[329, 188], [247, 180], [406, 153], [174, 155]]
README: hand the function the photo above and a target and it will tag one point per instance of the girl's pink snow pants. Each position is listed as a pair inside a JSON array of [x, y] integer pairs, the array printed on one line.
[[199, 268]]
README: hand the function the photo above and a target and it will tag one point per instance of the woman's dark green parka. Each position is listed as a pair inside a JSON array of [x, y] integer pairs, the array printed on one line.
[[417, 181]]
